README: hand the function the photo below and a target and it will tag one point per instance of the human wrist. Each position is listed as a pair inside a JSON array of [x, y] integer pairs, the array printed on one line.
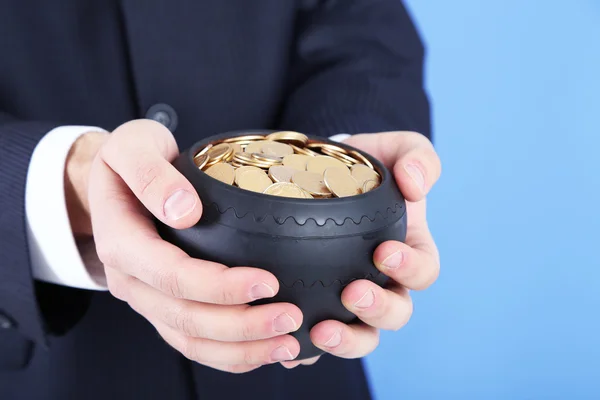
[[77, 170]]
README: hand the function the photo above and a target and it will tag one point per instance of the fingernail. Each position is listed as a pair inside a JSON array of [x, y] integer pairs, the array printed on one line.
[[281, 354], [180, 204], [261, 291], [284, 323], [334, 340], [394, 260], [416, 174], [367, 300]]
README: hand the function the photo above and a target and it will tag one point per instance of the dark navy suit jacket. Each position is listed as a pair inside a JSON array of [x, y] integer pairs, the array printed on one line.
[[315, 66]]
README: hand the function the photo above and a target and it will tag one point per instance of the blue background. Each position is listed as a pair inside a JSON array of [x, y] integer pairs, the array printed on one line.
[[515, 87]]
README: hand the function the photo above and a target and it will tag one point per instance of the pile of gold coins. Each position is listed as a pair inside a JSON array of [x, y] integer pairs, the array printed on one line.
[[288, 164]]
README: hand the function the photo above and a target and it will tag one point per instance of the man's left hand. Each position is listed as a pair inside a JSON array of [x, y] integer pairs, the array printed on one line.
[[413, 265]]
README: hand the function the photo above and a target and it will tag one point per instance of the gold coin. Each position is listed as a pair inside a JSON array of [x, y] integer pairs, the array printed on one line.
[[257, 163], [340, 182], [204, 150], [279, 173], [229, 156], [265, 158], [297, 167], [211, 162], [369, 185], [360, 157], [237, 148], [286, 189], [219, 151], [247, 138], [311, 182], [263, 166], [308, 195], [241, 170], [362, 174], [201, 161], [276, 149], [296, 161], [305, 151], [254, 180], [321, 146], [223, 172], [345, 158], [255, 147], [243, 157], [319, 164], [289, 137]]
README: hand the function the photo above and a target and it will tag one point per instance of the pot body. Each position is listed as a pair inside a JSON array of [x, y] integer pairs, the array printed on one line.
[[315, 247]]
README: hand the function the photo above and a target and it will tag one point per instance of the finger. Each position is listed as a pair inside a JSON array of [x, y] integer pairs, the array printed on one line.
[[163, 267], [416, 171], [140, 153], [388, 309], [294, 364], [310, 361], [231, 368], [168, 269], [414, 264], [215, 322], [345, 341], [411, 155], [139, 251], [205, 351]]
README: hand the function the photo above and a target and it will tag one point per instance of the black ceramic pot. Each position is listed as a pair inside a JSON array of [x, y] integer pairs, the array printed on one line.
[[315, 247]]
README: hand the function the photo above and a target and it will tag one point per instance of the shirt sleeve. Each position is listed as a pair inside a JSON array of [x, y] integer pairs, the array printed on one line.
[[54, 254]]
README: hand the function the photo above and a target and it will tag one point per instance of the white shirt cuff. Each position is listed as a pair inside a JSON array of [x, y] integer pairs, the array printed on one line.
[[54, 254]]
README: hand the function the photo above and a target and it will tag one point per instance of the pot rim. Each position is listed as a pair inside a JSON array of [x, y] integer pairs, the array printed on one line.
[[379, 167]]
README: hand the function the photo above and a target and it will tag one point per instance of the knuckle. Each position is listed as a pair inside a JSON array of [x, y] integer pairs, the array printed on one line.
[[428, 279], [186, 323], [168, 281], [417, 138], [117, 287], [247, 332], [189, 350], [226, 296], [402, 319], [116, 290], [435, 274], [248, 357], [107, 252], [164, 140], [432, 158], [146, 177]]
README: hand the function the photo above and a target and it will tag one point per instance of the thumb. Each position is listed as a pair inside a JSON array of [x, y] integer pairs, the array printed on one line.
[[417, 169], [140, 153]]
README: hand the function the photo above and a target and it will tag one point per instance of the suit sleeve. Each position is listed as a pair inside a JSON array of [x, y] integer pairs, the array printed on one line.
[[30, 310], [357, 67]]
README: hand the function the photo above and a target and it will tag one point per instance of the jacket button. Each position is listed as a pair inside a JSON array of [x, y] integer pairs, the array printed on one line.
[[163, 114], [5, 322]]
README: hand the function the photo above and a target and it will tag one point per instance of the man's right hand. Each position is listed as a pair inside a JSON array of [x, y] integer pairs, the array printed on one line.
[[198, 307]]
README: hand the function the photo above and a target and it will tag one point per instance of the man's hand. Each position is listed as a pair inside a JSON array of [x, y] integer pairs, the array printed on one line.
[[198, 307], [413, 265]]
